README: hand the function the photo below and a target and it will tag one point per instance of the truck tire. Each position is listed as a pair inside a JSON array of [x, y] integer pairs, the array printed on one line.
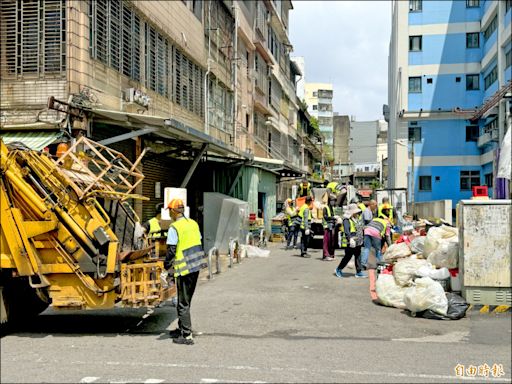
[[20, 301]]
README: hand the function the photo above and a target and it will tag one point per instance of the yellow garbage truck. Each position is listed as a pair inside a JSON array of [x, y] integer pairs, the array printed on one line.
[[69, 237]]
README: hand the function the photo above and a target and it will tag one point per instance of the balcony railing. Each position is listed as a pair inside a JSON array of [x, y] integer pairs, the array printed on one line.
[[487, 137]]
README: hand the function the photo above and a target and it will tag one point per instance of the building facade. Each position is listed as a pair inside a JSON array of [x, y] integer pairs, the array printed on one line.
[[341, 140], [318, 97], [449, 105], [191, 80]]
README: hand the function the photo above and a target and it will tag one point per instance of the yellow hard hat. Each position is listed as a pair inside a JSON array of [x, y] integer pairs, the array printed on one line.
[[176, 204]]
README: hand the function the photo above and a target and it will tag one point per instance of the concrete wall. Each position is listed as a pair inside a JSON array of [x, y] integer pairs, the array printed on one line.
[[341, 136], [363, 141], [438, 208]]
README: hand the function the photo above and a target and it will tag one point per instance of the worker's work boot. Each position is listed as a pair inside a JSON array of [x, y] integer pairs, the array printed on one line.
[[184, 339]]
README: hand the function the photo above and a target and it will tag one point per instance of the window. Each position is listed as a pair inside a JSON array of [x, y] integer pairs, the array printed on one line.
[[473, 40], [472, 132], [315, 107], [469, 179], [457, 79], [415, 134], [425, 183], [315, 94], [472, 3], [491, 27], [492, 126], [508, 58], [197, 9], [438, 178], [491, 77], [415, 43], [488, 179], [472, 82], [414, 84], [429, 80], [415, 5], [33, 38], [508, 5]]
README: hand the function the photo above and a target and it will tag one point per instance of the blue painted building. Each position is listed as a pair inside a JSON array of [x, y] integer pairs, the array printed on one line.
[[449, 69]]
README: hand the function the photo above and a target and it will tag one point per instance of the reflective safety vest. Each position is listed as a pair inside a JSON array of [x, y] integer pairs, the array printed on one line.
[[332, 186], [291, 214], [154, 228], [301, 215], [381, 215], [380, 225], [344, 238], [324, 221], [362, 207], [190, 256], [304, 192]]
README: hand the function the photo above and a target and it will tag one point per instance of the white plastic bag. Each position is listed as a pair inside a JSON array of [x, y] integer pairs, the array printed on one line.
[[397, 251], [417, 244], [435, 274], [404, 270], [436, 235], [446, 254], [389, 293], [253, 251], [426, 294]]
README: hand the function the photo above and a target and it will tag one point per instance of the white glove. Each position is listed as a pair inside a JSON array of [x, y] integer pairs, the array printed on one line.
[[352, 243], [307, 232]]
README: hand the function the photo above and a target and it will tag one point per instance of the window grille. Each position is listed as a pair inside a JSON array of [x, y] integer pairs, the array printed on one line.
[[491, 77], [114, 27], [33, 38], [493, 25]]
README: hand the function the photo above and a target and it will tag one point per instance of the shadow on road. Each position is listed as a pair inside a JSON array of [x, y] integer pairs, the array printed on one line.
[[110, 323]]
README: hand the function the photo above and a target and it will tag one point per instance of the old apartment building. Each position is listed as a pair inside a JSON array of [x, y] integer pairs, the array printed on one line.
[[191, 80]]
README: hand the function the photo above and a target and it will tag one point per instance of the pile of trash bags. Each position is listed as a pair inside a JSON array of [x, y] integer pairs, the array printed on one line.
[[418, 275]]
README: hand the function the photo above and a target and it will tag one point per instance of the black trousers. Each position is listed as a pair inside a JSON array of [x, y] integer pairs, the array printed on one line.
[[186, 285], [349, 252], [304, 242]]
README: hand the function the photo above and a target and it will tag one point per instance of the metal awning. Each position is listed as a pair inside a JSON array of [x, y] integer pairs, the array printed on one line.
[[168, 128], [36, 140]]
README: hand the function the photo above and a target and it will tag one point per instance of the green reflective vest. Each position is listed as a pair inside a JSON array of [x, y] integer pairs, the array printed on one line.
[[290, 214], [344, 238], [304, 191], [324, 221], [190, 256], [154, 228], [380, 225], [301, 215], [332, 186]]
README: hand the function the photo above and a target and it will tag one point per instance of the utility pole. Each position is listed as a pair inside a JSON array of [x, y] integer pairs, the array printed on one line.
[[412, 176]]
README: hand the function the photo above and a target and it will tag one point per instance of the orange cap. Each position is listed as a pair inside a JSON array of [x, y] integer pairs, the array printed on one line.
[[61, 149], [176, 204], [386, 206]]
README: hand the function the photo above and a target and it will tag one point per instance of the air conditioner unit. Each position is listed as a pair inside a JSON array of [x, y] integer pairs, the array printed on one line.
[[133, 95]]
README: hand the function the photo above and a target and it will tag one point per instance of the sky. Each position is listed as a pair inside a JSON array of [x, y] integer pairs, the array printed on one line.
[[345, 43]]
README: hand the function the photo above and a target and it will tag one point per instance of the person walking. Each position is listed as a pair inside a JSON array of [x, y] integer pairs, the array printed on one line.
[[292, 223], [186, 257], [352, 240], [375, 232], [305, 225], [329, 224]]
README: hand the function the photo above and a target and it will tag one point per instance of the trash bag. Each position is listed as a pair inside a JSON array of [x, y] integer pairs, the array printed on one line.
[[404, 270], [437, 234], [388, 292], [417, 244], [457, 308], [252, 251], [397, 251], [435, 274], [426, 294], [445, 255]]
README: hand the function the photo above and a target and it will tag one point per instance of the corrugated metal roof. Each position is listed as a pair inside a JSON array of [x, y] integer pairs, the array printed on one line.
[[36, 140]]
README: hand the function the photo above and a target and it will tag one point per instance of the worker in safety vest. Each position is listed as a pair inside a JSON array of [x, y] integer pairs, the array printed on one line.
[[386, 205], [185, 254], [305, 225], [293, 223], [329, 224], [152, 226], [333, 186], [377, 231], [304, 189], [351, 240]]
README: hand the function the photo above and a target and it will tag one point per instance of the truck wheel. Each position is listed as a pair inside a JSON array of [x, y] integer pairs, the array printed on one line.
[[20, 301]]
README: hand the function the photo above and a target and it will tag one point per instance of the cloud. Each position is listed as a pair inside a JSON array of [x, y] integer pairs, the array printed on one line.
[[345, 43]]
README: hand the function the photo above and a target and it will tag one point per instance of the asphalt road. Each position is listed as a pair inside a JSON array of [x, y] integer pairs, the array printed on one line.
[[278, 319]]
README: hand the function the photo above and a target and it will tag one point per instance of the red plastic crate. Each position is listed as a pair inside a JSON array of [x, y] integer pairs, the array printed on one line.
[[480, 190]]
